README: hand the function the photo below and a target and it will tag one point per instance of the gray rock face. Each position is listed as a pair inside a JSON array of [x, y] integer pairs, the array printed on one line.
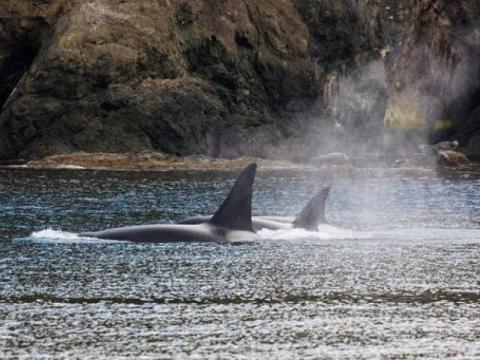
[[172, 76], [195, 76], [434, 79]]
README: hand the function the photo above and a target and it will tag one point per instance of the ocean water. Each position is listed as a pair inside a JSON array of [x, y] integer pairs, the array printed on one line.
[[399, 279]]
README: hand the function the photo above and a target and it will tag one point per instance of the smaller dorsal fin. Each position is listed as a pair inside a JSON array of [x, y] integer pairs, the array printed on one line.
[[236, 211], [314, 212]]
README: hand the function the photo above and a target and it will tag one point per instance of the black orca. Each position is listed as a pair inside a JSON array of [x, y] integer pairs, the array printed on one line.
[[313, 213], [309, 218], [232, 223]]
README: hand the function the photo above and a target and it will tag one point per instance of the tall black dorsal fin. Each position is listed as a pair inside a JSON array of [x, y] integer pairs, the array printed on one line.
[[314, 212], [236, 211]]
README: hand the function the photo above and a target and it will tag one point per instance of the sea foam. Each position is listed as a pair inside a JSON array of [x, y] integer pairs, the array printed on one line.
[[58, 236]]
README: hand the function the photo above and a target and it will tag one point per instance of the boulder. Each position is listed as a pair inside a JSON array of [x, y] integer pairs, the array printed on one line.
[[450, 158]]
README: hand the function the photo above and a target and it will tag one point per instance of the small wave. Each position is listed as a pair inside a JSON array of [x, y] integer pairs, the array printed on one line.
[[429, 235], [395, 236], [69, 167], [54, 234], [59, 236], [331, 297], [330, 233]]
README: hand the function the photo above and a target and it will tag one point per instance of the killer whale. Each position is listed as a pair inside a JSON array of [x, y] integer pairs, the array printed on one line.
[[310, 217], [232, 223]]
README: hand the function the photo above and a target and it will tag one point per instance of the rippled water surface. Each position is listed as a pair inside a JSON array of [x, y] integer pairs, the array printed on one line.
[[401, 281]]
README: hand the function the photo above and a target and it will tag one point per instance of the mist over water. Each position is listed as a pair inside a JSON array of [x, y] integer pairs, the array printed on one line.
[[350, 119], [400, 278], [416, 91]]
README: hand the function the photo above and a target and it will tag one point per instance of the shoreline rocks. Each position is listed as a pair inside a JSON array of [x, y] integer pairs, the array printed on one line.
[[153, 161], [157, 161]]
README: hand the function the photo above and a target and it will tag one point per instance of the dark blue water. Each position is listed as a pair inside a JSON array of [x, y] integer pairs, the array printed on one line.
[[402, 279]]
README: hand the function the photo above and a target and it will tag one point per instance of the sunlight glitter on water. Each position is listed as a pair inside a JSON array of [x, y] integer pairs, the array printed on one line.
[[401, 280]]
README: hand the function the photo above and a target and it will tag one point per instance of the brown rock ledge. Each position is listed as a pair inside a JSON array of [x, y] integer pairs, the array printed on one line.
[[154, 161]]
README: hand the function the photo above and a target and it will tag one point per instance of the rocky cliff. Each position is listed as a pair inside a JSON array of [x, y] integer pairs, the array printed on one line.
[[181, 77], [224, 78], [434, 80]]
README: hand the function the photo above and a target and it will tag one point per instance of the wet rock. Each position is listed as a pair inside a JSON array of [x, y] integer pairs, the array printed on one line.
[[153, 161], [432, 150], [446, 145], [451, 158]]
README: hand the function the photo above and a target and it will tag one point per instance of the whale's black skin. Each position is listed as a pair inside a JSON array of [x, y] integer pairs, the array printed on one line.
[[259, 222], [309, 218], [232, 223], [174, 233]]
